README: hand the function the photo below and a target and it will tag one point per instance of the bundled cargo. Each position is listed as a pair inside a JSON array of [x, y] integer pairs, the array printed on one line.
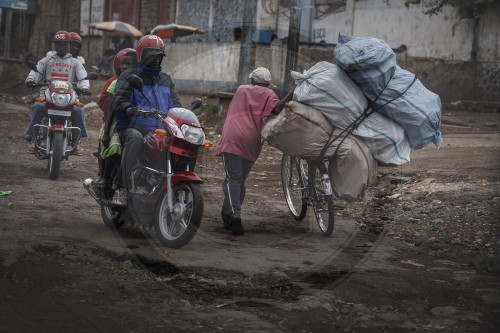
[[300, 130], [326, 88], [394, 92]]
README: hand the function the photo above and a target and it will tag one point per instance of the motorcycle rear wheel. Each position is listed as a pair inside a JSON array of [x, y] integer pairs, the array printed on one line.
[[56, 155], [111, 217], [176, 229]]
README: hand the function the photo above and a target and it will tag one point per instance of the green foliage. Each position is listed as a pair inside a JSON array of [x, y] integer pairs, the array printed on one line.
[[433, 7], [208, 109], [212, 108]]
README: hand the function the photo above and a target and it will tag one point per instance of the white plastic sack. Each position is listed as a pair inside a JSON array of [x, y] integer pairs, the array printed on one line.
[[326, 88], [396, 93]]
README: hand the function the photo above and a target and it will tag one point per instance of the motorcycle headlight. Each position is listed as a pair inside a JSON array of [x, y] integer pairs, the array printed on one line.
[[193, 135], [61, 99]]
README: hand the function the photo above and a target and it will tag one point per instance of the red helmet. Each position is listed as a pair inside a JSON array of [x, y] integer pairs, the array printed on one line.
[[152, 42], [119, 58], [74, 37], [61, 36]]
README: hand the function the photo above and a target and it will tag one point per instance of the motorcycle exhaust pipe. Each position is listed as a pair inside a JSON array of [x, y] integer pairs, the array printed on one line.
[[88, 184]]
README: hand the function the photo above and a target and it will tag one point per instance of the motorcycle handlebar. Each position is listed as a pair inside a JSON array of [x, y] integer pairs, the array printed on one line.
[[150, 113], [79, 91]]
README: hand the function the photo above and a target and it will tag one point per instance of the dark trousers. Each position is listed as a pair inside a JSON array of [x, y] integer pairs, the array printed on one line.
[[237, 170], [132, 144]]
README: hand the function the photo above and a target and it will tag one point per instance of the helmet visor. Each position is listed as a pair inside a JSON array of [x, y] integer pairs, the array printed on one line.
[[152, 57]]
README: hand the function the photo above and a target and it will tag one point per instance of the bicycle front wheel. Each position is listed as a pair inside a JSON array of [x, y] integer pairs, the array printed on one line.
[[293, 181], [321, 200]]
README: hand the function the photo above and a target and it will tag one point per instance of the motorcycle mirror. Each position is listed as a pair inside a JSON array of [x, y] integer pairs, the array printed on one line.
[[92, 76], [136, 82], [195, 103], [31, 64]]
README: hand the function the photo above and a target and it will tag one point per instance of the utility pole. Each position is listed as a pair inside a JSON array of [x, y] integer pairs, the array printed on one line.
[[292, 50], [246, 48], [88, 30]]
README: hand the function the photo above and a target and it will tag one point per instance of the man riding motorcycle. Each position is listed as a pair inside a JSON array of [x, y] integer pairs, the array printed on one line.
[[58, 65], [160, 90]]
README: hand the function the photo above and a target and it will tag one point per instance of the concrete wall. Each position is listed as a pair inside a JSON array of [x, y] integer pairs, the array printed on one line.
[[203, 67], [207, 68]]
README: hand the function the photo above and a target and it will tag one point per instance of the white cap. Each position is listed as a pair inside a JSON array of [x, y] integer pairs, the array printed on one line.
[[261, 75]]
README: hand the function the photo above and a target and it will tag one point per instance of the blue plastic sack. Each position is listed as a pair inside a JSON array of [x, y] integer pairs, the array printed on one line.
[[393, 91]]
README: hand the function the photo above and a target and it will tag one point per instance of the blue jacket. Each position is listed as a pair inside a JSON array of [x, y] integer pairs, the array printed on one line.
[[159, 89]]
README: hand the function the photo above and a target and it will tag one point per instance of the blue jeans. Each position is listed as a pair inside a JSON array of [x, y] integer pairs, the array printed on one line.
[[77, 119]]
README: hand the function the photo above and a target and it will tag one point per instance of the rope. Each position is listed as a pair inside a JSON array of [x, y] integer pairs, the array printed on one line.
[[370, 108]]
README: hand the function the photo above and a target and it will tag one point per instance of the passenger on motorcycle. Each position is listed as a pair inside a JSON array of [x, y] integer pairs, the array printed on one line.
[[160, 90], [75, 44], [110, 148], [58, 65]]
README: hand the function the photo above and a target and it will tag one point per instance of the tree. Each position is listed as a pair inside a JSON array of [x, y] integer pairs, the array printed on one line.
[[473, 8]]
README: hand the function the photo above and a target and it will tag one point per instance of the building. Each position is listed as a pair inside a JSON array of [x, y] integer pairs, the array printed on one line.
[[453, 53]]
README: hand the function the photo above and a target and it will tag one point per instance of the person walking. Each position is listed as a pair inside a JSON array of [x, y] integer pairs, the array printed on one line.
[[240, 143]]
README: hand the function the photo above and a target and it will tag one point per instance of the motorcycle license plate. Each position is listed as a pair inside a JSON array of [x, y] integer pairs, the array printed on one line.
[[59, 113]]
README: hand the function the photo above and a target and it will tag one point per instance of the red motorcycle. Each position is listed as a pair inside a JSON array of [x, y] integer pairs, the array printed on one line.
[[165, 191], [53, 135]]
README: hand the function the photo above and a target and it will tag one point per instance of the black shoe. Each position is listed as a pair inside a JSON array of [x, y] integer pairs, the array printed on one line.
[[226, 219], [237, 227]]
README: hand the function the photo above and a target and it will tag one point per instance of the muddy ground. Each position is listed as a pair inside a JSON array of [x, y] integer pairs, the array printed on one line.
[[419, 254]]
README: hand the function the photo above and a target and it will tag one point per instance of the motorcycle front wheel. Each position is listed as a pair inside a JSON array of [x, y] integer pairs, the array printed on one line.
[[176, 228], [56, 154]]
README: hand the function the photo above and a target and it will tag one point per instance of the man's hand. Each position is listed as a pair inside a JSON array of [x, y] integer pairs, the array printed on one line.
[[106, 138], [86, 92], [133, 111], [30, 84]]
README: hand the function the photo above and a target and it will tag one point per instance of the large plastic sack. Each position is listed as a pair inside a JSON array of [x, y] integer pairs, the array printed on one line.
[[353, 169], [328, 89], [395, 92], [300, 130]]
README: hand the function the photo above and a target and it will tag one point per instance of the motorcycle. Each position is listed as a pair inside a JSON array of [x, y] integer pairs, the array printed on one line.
[[165, 192], [52, 137]]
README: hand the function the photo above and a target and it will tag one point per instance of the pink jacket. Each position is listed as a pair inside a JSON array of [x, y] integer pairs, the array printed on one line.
[[241, 131]]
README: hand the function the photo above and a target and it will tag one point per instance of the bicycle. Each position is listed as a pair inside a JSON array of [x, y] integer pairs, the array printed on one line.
[[306, 182]]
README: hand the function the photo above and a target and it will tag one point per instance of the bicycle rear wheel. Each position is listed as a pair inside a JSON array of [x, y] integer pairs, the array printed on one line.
[[322, 202], [293, 181]]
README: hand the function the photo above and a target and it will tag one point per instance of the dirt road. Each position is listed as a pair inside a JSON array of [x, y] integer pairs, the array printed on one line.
[[419, 254]]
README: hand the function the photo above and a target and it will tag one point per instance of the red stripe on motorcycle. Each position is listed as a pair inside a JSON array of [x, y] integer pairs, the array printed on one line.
[[185, 176]]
